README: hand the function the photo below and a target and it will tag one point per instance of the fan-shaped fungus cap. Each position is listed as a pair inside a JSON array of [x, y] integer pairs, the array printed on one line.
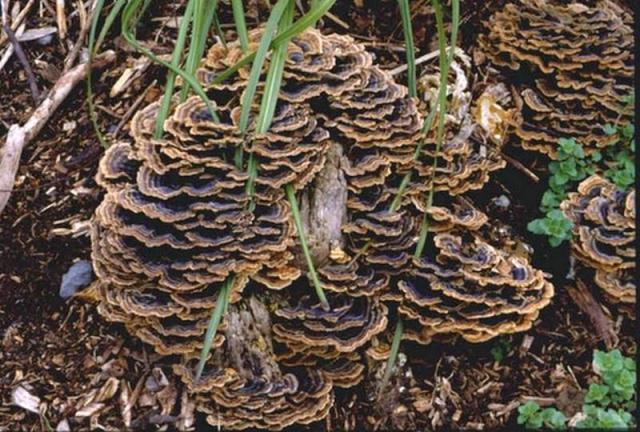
[[175, 223], [473, 289], [604, 235], [243, 385], [351, 323], [582, 71], [329, 340]]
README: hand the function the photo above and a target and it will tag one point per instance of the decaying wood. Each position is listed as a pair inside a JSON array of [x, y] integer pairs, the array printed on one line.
[[249, 340], [587, 303], [323, 209], [19, 136]]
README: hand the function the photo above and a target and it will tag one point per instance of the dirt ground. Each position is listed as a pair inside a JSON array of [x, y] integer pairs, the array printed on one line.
[[90, 374]]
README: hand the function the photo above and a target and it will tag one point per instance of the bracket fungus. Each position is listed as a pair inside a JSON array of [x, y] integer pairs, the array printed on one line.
[[175, 223], [244, 387], [604, 237], [574, 65]]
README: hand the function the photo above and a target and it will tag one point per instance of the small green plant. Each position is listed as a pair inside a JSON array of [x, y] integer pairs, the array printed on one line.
[[619, 156], [616, 162], [570, 167], [607, 405], [533, 417], [500, 349]]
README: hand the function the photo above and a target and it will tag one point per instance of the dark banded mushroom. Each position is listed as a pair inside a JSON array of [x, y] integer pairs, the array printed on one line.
[[604, 236], [575, 77]]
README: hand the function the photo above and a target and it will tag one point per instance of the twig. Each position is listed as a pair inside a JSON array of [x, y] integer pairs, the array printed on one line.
[[19, 136], [85, 23], [9, 52], [4, 5], [16, 23], [127, 115], [31, 78], [337, 20], [424, 58], [521, 167], [61, 19]]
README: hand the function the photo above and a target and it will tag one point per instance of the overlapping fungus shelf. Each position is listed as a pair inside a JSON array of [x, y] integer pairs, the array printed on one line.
[[574, 64], [329, 340], [472, 289], [604, 237], [175, 223], [244, 387]]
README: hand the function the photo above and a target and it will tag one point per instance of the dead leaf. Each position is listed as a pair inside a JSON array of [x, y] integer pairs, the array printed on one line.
[[90, 409], [22, 398]]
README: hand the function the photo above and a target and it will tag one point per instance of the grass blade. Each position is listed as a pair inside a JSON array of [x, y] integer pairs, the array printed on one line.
[[217, 28], [214, 322], [202, 19], [393, 355], [269, 97], [93, 48], [241, 25], [291, 196], [252, 83], [405, 13], [274, 78], [445, 62], [128, 22], [108, 22], [258, 62], [243, 36], [176, 56]]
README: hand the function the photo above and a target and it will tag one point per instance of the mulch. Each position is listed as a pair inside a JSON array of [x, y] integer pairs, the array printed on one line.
[[88, 373]]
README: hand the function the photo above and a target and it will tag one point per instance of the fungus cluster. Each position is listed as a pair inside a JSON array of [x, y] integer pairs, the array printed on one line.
[[475, 287], [175, 224], [574, 64], [604, 237]]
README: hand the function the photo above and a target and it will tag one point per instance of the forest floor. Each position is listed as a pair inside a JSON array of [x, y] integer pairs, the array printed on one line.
[[87, 372]]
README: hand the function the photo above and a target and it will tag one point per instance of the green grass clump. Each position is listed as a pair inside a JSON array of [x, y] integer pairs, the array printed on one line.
[[608, 404]]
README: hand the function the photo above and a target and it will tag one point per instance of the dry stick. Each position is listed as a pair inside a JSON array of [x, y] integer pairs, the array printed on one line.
[[16, 23], [61, 19], [520, 166], [19, 136], [9, 52], [85, 24], [424, 58], [31, 78]]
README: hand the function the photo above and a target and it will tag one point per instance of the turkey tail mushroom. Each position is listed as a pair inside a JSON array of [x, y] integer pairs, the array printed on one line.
[[574, 78], [604, 237]]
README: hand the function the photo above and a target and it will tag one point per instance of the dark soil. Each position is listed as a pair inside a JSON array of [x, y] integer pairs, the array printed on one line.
[[60, 351]]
